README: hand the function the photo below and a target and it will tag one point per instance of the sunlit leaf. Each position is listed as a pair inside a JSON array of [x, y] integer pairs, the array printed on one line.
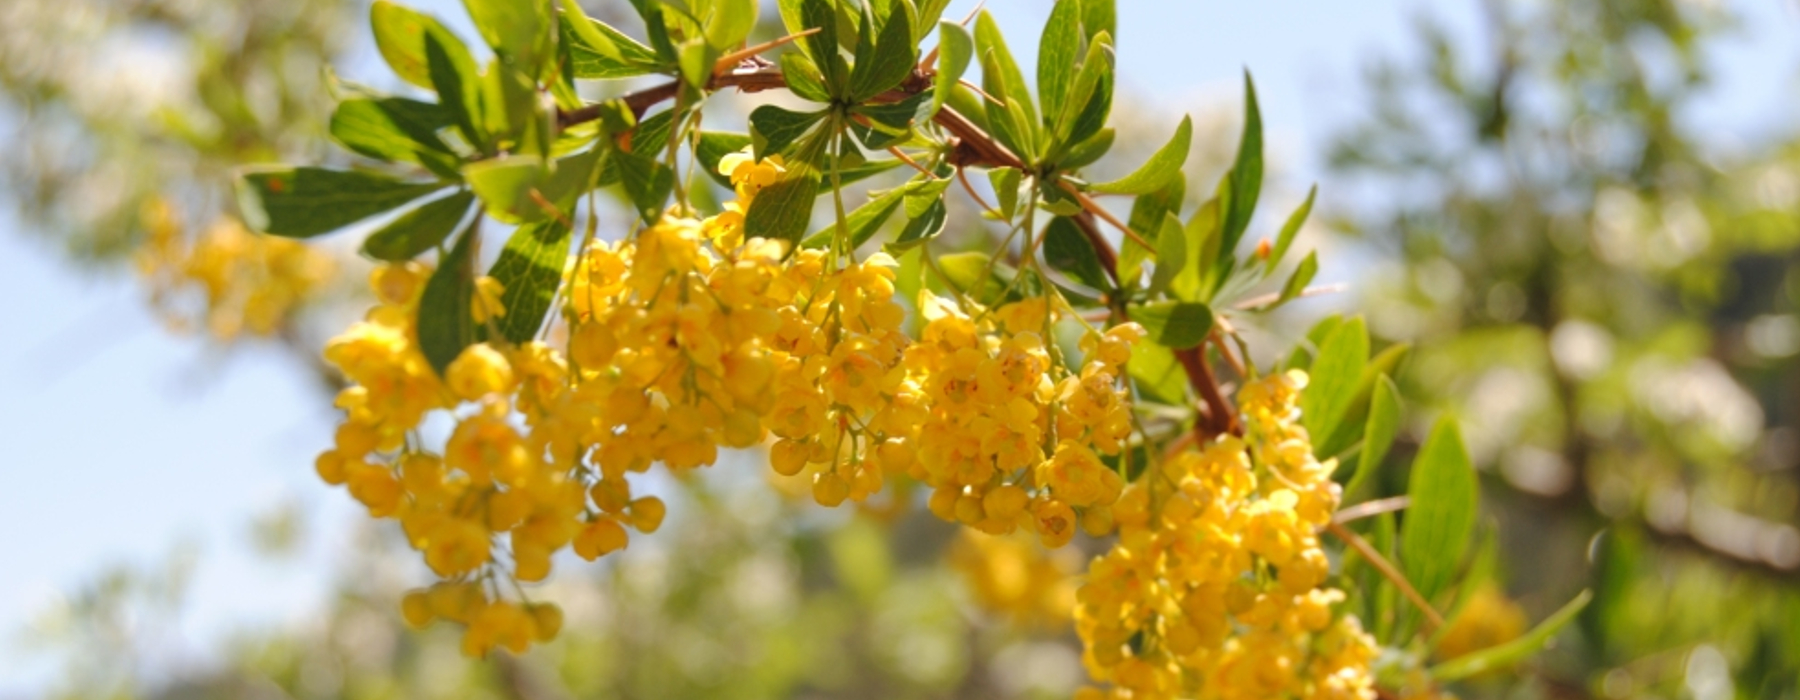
[[306, 202], [1163, 165], [530, 269], [1435, 531], [418, 230], [1175, 324]]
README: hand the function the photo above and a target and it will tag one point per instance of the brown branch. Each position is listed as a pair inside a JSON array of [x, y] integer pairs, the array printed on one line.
[[1219, 417]]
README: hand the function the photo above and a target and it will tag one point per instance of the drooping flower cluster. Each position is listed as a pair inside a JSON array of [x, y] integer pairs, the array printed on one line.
[[686, 338], [1011, 437], [1215, 587], [1015, 576], [487, 483], [228, 279]]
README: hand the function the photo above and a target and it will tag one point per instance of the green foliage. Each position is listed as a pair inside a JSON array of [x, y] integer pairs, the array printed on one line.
[[530, 268], [1175, 324], [1435, 532], [1334, 375], [446, 325], [1503, 655], [419, 230], [1156, 173], [307, 202]]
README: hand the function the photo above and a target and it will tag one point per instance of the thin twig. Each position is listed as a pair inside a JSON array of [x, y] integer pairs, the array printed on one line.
[[1432, 619], [962, 175], [907, 159], [1272, 297], [1089, 204], [1225, 352], [1368, 509], [730, 60]]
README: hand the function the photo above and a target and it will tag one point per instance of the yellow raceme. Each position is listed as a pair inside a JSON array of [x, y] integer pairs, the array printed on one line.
[[687, 338]]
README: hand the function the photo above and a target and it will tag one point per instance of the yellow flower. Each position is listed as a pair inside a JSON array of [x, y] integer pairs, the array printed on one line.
[[486, 304], [479, 371]]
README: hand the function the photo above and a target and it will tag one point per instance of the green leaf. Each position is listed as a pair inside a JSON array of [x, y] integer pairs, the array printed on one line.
[[922, 193], [930, 11], [520, 189], [730, 23], [1163, 165], [696, 61], [861, 222], [974, 274], [890, 61], [1067, 250], [1333, 377], [1146, 220], [1289, 230], [715, 145], [1378, 434], [512, 112], [394, 129], [1006, 189], [445, 324], [781, 211], [306, 202], [1296, 282], [505, 185], [518, 30], [418, 230], [651, 136], [647, 182], [1099, 16], [1518, 649], [774, 129], [822, 46], [1171, 254], [1350, 427], [1084, 112], [1000, 77], [803, 77], [1087, 152], [864, 171], [1246, 172], [1436, 529], [955, 49], [457, 83], [1057, 47], [897, 118], [530, 268], [922, 228], [1202, 232], [584, 34], [1175, 324], [1158, 374], [600, 52], [400, 36]]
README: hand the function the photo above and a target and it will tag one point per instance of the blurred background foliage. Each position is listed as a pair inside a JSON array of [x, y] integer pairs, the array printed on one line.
[[1605, 297]]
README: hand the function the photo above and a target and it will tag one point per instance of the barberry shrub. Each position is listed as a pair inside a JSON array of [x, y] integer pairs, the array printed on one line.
[[1078, 373]]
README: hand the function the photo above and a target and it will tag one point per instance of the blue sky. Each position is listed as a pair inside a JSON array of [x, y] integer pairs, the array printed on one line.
[[124, 441]]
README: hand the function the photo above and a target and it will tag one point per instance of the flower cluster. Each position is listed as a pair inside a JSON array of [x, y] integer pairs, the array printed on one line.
[[227, 278], [1012, 438], [1215, 587], [491, 482], [687, 338], [1014, 576]]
